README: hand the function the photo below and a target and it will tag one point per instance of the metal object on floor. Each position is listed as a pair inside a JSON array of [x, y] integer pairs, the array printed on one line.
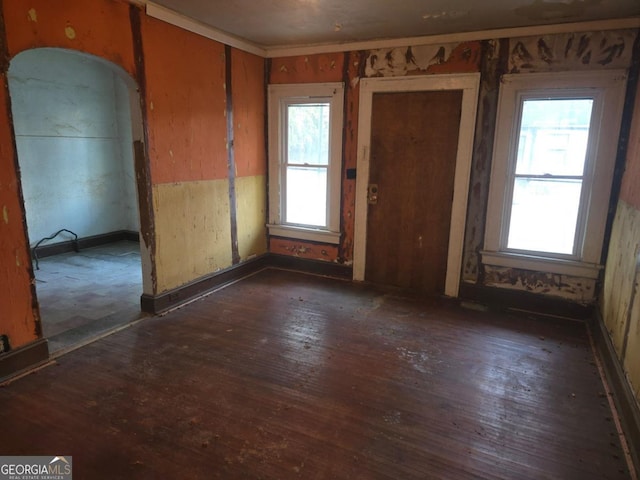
[[35, 248]]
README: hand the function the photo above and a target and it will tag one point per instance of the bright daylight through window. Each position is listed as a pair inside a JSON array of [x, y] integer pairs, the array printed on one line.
[[307, 164], [305, 153], [548, 175], [554, 154]]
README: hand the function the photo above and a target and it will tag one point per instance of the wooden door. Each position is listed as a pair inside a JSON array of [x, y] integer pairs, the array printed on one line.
[[414, 141]]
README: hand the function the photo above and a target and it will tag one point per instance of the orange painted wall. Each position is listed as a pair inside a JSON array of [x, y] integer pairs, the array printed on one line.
[[186, 104], [326, 67], [98, 27], [247, 76], [630, 192], [18, 319]]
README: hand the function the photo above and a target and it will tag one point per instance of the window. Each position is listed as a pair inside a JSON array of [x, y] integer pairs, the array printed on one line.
[[554, 154], [305, 152]]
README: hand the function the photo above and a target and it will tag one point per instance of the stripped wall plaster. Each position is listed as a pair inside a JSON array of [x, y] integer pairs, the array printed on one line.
[[400, 61], [576, 289], [571, 51]]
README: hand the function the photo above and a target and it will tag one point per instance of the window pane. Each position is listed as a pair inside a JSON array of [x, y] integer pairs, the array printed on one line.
[[544, 215], [553, 137], [308, 134], [307, 196]]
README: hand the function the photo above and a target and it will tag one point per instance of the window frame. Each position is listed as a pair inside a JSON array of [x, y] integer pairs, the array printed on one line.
[[280, 96], [607, 88]]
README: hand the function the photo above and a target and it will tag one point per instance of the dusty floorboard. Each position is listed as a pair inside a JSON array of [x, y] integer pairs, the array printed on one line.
[[291, 376]]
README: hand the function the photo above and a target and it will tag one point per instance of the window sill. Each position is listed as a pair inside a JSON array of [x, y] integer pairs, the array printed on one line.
[[300, 233], [541, 264]]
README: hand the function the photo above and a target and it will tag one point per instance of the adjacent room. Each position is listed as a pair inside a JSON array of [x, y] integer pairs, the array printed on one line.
[[73, 130], [328, 239]]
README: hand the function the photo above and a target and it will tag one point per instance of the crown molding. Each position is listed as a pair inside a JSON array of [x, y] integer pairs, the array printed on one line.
[[174, 18], [614, 24]]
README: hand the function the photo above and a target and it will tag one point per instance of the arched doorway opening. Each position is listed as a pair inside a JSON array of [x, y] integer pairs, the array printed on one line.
[[75, 119]]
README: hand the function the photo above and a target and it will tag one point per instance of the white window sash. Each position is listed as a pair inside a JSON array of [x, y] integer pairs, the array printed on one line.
[[280, 96], [607, 88]]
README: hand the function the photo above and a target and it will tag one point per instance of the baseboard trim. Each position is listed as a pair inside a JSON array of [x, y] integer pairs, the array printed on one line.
[[26, 357], [622, 393], [505, 299], [315, 267], [86, 242], [156, 304]]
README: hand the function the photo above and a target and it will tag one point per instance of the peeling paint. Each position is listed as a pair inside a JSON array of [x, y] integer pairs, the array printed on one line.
[[576, 289], [391, 62], [463, 57], [303, 249], [32, 15], [571, 51], [354, 63], [18, 311], [493, 65]]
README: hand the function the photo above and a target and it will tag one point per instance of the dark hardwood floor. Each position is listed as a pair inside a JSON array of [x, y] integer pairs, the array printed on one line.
[[287, 376]]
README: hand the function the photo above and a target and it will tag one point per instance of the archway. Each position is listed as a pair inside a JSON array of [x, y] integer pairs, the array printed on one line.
[[75, 119]]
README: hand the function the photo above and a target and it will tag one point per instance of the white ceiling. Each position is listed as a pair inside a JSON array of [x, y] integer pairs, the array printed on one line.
[[289, 23]]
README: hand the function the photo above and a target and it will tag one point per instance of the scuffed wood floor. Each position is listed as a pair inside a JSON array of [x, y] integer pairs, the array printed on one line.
[[287, 376]]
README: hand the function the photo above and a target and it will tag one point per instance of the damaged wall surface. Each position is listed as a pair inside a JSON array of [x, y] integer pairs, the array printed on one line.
[[620, 297], [492, 58]]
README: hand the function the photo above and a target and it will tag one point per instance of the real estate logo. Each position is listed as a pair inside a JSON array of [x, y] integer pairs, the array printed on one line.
[[55, 467]]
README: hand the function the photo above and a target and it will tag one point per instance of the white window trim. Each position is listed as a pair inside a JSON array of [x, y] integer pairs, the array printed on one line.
[[609, 86], [279, 96], [469, 83]]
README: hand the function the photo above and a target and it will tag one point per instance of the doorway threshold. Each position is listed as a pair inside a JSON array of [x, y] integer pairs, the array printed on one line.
[[74, 338]]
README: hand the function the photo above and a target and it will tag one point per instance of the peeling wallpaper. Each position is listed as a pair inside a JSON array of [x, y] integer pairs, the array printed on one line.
[[420, 59], [577, 289], [571, 51]]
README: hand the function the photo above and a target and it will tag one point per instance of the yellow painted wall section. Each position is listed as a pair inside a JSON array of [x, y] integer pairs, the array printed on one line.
[[620, 272], [193, 231], [620, 302], [251, 206], [18, 319], [632, 355]]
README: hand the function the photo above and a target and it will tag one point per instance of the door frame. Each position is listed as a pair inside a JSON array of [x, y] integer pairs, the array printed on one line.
[[469, 83]]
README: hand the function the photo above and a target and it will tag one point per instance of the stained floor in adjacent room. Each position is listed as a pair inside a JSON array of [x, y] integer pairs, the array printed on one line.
[[86, 293], [288, 376]]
